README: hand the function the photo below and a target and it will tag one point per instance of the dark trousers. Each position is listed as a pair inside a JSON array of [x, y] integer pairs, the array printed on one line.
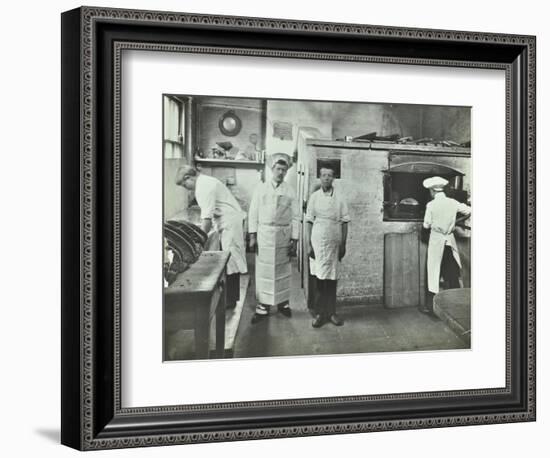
[[450, 269], [325, 304], [233, 293]]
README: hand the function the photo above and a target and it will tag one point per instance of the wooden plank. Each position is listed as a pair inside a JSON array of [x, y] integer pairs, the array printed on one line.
[[202, 275], [410, 269], [389, 272], [401, 273], [403, 147]]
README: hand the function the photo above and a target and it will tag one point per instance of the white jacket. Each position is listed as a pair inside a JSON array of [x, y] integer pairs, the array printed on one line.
[[440, 217]]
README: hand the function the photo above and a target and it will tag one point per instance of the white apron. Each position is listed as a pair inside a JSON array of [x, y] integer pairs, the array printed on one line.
[[273, 268], [436, 247], [232, 240], [326, 236]]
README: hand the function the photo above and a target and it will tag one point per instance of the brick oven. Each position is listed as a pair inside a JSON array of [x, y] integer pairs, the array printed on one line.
[[382, 183]]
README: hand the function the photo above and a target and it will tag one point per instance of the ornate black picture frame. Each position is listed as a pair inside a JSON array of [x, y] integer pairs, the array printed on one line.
[[92, 42]]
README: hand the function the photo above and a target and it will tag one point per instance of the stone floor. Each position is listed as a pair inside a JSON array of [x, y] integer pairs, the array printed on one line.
[[366, 329], [371, 328]]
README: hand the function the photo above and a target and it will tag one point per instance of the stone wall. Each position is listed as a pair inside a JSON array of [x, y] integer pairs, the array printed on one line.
[[417, 121], [362, 277]]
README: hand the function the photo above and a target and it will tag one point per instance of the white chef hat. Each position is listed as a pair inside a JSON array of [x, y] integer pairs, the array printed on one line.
[[277, 157], [435, 183]]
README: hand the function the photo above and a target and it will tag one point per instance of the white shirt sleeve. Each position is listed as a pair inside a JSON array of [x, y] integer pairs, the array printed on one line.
[[428, 217], [463, 209], [310, 212], [253, 210], [344, 212], [206, 198]]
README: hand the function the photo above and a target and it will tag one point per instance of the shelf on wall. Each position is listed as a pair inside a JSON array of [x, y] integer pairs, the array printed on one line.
[[228, 163]]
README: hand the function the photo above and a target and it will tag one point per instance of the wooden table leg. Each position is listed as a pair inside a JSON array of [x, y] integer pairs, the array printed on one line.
[[220, 323], [202, 332]]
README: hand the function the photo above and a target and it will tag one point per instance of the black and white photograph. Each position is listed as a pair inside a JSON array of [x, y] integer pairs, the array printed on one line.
[[275, 229], [314, 227]]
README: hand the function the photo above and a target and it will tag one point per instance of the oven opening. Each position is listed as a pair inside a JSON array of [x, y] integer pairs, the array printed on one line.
[[405, 197]]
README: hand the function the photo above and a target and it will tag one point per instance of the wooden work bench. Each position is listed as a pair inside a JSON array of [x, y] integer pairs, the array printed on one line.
[[196, 297]]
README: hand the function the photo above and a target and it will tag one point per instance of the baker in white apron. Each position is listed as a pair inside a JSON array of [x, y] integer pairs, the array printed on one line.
[[221, 211], [440, 218], [327, 220], [273, 224]]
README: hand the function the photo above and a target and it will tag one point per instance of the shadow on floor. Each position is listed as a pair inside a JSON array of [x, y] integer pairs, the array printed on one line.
[[52, 435]]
